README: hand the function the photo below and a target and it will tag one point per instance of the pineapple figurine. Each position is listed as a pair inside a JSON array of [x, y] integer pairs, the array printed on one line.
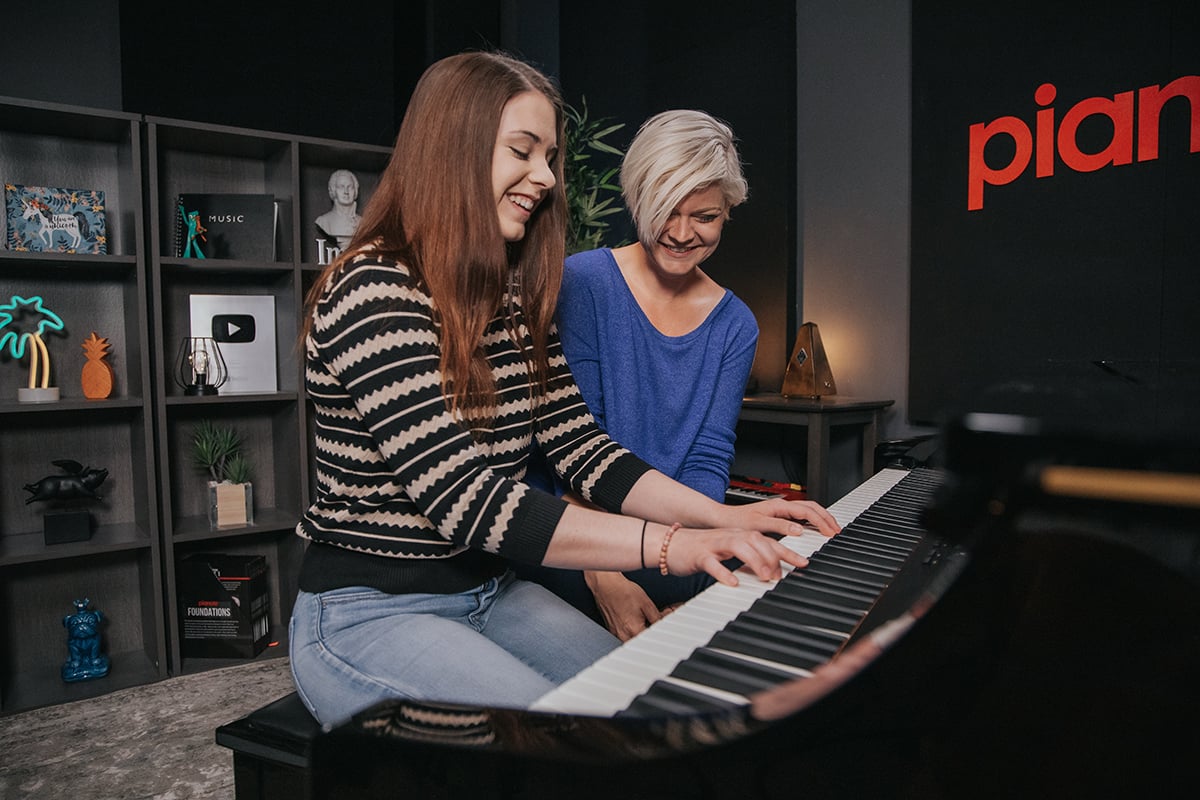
[[97, 377]]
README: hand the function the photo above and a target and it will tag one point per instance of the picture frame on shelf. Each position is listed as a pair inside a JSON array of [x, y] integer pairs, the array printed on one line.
[[54, 220]]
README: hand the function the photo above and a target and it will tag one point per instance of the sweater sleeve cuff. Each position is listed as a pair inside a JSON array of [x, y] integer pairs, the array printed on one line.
[[533, 526], [616, 482]]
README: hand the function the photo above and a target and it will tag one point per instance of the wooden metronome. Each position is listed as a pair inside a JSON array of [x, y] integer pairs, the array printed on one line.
[[808, 373]]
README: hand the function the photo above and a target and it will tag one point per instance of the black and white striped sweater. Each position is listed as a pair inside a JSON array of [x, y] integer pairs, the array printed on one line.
[[407, 498]]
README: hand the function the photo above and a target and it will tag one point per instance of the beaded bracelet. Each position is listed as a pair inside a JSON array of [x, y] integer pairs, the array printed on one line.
[[662, 554], [645, 522]]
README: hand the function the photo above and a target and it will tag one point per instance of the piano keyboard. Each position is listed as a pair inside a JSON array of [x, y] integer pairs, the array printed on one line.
[[728, 642]]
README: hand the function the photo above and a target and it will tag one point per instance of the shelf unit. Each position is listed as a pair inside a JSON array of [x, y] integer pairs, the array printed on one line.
[[152, 513], [119, 568], [190, 157]]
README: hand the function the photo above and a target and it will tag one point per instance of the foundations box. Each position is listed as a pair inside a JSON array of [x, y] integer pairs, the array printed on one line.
[[224, 605]]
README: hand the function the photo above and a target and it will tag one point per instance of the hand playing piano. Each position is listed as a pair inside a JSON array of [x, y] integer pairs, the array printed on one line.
[[782, 517], [626, 607], [762, 554]]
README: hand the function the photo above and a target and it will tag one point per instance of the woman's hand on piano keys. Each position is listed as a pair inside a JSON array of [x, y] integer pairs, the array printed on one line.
[[695, 550], [782, 517], [743, 528]]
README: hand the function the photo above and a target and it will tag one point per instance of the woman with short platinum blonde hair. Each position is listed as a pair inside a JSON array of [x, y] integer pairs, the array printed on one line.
[[661, 352], [674, 154]]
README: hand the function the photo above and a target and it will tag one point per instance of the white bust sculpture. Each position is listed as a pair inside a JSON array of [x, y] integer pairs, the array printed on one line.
[[341, 220]]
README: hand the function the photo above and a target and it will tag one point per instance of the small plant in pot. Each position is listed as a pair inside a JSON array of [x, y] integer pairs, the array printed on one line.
[[217, 450]]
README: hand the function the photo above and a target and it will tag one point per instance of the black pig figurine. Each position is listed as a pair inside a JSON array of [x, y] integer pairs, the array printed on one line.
[[78, 482]]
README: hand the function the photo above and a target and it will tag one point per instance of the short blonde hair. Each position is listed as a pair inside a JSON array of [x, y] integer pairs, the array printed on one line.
[[673, 154]]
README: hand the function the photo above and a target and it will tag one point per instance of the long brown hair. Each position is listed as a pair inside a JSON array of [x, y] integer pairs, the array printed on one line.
[[434, 211]]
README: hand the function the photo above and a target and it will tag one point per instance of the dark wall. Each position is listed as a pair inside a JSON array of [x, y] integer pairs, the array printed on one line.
[[261, 66], [738, 66], [45, 54], [1069, 291]]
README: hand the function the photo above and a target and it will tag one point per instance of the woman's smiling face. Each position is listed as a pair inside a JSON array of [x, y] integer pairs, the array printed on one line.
[[522, 174], [692, 231]]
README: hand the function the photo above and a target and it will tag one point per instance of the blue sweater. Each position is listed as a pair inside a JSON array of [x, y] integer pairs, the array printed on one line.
[[672, 400]]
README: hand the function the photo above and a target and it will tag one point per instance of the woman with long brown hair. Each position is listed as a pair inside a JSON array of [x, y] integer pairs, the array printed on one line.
[[433, 367]]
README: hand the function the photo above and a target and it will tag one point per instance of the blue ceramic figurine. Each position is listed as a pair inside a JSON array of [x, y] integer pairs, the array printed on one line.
[[83, 644]]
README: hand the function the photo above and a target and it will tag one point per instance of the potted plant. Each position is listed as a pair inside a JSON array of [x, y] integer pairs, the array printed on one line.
[[217, 450], [591, 193]]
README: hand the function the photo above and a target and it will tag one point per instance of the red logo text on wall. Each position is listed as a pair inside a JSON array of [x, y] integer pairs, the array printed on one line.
[[1039, 144]]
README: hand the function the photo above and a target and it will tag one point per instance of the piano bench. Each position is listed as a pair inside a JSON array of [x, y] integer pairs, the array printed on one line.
[[271, 750]]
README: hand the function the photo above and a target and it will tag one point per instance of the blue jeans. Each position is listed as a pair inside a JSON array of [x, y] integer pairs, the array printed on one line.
[[505, 643]]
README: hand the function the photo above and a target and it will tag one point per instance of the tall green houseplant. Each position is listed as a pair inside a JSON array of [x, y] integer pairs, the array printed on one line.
[[592, 194]]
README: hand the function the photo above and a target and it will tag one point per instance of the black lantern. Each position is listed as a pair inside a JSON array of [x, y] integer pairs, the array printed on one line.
[[199, 368]]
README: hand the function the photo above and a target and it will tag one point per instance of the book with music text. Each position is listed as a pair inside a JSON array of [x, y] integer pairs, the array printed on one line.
[[240, 226], [49, 219]]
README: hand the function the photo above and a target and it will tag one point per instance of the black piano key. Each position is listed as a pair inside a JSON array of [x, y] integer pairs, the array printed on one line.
[[722, 671], [786, 636], [869, 547], [815, 596], [816, 618], [818, 639], [834, 557], [767, 649], [839, 588], [899, 516], [841, 572], [664, 697], [887, 532], [869, 559]]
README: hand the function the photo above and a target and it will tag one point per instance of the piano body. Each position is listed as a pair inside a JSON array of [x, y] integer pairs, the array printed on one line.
[[1039, 635]]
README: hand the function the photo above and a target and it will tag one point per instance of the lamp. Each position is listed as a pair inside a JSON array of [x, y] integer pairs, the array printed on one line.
[[808, 373], [199, 368]]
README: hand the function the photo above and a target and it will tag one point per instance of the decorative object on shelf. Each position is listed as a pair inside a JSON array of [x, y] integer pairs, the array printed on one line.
[[224, 605], [195, 233], [808, 373], [70, 521], [80, 481], [341, 220], [244, 325], [14, 313], [241, 226], [47, 219], [199, 366], [96, 378], [584, 183], [217, 450], [85, 661]]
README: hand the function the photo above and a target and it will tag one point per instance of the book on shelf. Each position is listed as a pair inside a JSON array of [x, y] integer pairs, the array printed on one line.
[[241, 226], [50, 219], [244, 328]]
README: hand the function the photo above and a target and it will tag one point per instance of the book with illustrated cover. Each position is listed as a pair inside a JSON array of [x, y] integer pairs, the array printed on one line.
[[241, 226], [244, 328], [48, 219]]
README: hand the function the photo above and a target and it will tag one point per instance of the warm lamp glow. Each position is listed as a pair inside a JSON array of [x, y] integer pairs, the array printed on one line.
[[199, 368]]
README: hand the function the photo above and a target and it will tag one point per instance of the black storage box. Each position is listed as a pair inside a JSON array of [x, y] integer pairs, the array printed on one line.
[[61, 527], [224, 605]]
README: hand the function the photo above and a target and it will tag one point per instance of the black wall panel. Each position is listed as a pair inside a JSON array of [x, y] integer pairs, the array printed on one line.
[[1070, 290]]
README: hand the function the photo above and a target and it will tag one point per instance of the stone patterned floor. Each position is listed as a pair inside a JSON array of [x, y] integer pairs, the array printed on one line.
[[153, 741]]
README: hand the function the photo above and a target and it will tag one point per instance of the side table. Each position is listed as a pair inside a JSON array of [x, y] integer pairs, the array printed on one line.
[[819, 415]]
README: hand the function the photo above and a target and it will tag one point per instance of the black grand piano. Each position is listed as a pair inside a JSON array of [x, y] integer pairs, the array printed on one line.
[[1019, 619]]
